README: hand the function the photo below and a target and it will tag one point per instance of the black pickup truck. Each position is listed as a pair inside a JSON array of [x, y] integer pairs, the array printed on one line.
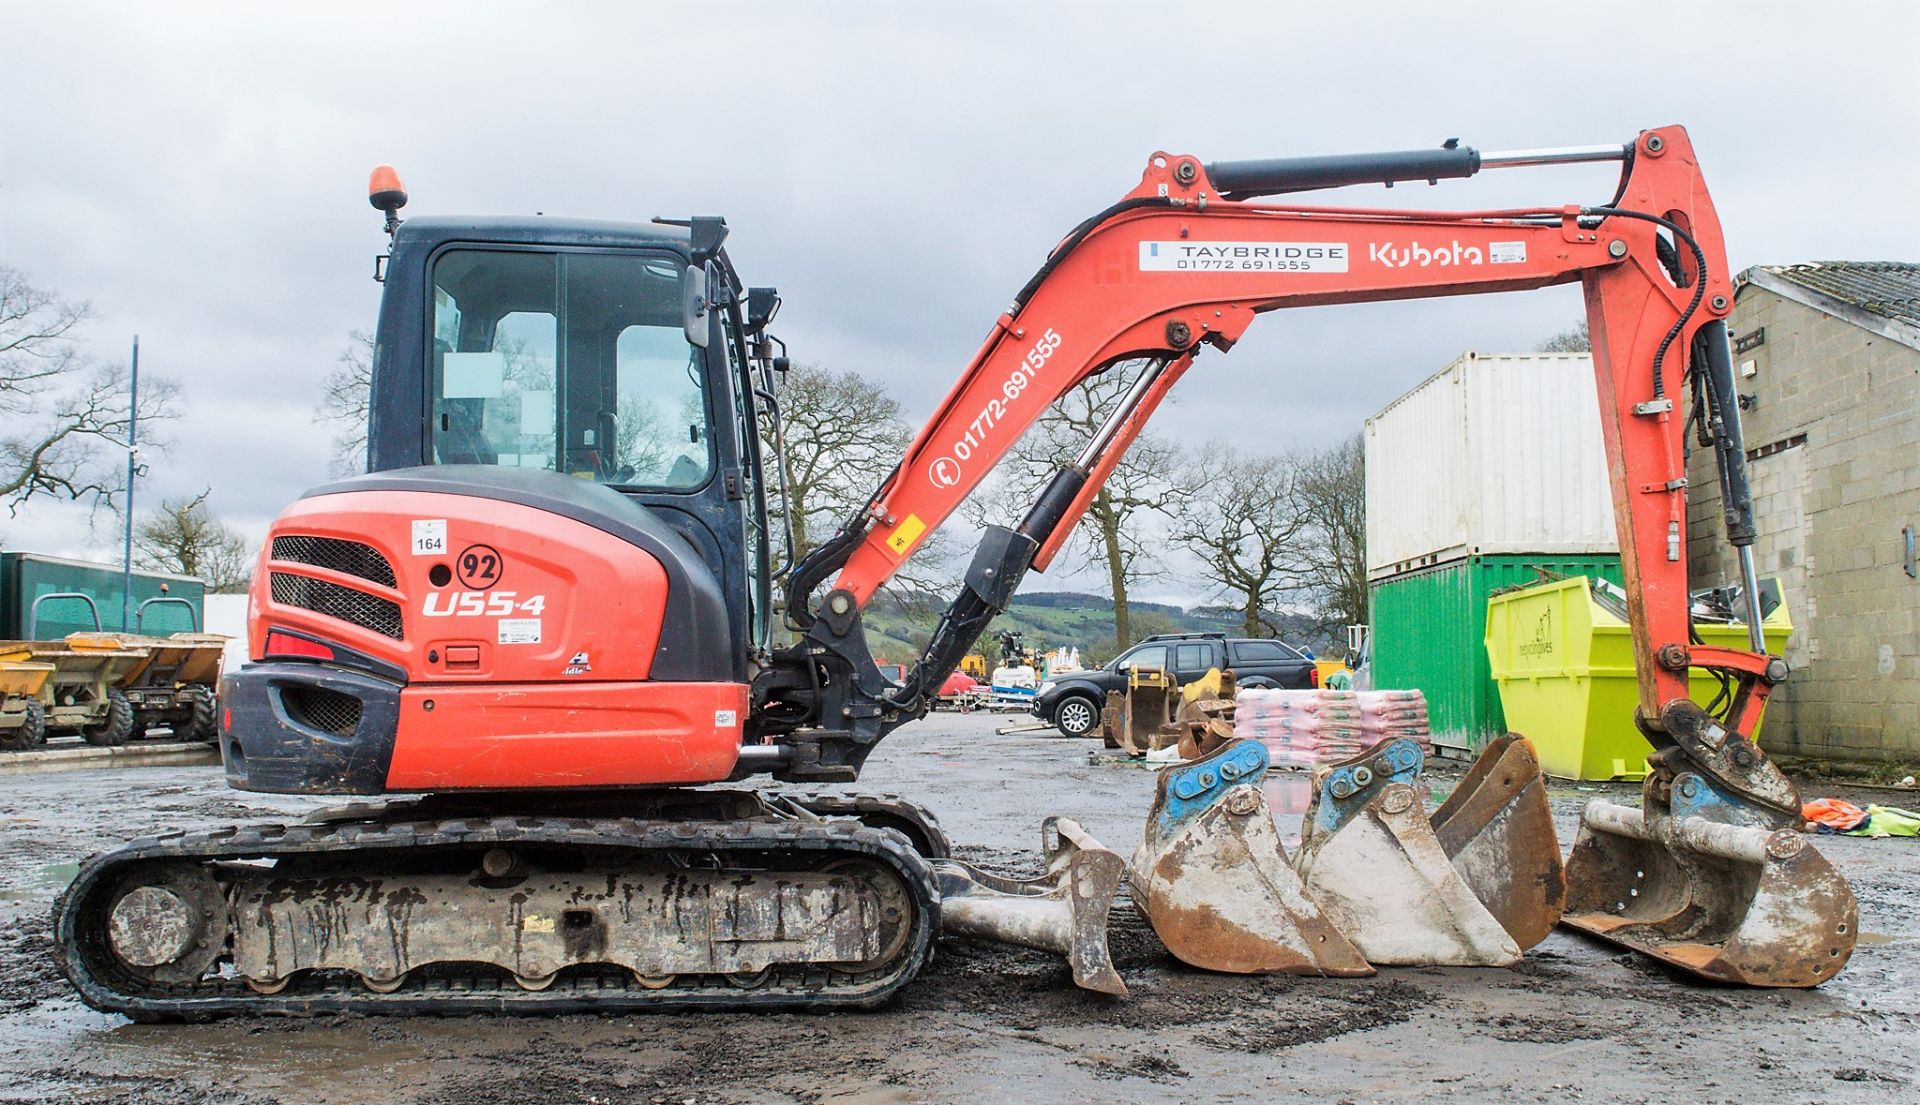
[[1071, 702]]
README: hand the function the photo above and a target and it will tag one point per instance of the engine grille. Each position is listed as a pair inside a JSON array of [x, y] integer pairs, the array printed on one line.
[[345, 603], [322, 709], [348, 557]]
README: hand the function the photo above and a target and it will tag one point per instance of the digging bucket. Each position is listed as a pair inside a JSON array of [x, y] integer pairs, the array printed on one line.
[[1064, 910], [1369, 855], [1497, 829], [1744, 904], [1212, 876]]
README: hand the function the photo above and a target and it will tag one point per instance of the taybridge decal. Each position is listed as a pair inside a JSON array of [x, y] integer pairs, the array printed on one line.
[[1243, 256]]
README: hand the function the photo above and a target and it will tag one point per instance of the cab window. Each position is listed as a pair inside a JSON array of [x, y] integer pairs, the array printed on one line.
[[573, 363]]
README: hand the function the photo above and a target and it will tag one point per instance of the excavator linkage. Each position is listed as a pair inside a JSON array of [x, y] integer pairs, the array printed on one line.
[[1712, 876]]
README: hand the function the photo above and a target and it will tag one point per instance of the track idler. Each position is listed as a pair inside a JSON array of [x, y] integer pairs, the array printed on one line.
[[1717, 883], [1064, 910], [1370, 855], [1212, 875]]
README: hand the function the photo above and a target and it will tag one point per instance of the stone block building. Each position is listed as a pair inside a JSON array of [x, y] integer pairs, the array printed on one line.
[[1827, 363]]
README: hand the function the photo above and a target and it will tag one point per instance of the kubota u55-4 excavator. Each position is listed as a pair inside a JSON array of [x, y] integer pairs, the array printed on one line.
[[547, 609]]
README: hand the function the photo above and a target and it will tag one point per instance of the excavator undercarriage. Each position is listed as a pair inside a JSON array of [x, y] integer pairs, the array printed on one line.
[[728, 898]]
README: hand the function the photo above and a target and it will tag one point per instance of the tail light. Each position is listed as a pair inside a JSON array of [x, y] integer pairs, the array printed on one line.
[[1313, 675]]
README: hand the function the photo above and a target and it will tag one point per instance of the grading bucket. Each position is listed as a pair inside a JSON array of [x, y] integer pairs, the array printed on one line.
[[1564, 667]]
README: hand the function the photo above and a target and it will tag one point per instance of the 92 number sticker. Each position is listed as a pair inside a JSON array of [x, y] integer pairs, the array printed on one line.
[[479, 567]]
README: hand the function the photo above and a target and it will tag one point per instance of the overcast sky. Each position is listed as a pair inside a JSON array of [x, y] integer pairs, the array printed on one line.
[[197, 171]]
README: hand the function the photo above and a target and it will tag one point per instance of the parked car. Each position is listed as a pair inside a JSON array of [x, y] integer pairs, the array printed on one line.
[[1072, 702]]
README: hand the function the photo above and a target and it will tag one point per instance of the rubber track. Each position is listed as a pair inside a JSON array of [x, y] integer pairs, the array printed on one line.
[[933, 843], [80, 917]]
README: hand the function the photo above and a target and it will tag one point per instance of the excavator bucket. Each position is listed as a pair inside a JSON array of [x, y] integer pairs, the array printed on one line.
[[1145, 711], [1212, 875], [1736, 903], [1064, 910], [1497, 829], [1371, 857]]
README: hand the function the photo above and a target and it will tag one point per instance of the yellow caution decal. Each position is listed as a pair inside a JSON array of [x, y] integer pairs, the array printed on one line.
[[905, 534]]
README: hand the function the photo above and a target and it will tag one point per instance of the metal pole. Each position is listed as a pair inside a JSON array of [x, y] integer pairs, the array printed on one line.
[[126, 556]]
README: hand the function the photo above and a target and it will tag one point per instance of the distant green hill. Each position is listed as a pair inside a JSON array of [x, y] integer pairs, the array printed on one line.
[[897, 629]]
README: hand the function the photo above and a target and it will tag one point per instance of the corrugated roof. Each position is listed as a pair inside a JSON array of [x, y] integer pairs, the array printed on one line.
[[1890, 288], [1882, 296]]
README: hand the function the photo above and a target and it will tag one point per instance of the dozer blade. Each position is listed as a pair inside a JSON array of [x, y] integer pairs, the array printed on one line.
[[1212, 876], [1370, 856], [1735, 903], [1497, 829], [1064, 910]]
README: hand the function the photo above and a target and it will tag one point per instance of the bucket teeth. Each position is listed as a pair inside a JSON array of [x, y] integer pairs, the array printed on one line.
[[1497, 829], [1372, 859], [1740, 903], [1064, 910], [1212, 875]]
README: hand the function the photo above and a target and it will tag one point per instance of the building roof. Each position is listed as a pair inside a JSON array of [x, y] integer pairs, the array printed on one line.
[[1881, 296]]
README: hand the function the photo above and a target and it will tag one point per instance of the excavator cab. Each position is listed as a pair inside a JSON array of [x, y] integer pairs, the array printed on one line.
[[614, 353]]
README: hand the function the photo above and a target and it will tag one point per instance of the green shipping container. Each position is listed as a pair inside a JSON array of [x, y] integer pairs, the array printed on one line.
[[1429, 634], [25, 577]]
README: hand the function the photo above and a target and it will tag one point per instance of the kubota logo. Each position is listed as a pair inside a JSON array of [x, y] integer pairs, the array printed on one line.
[[1419, 256]]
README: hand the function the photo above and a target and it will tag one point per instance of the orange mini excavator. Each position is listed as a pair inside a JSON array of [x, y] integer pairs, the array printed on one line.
[[545, 615]]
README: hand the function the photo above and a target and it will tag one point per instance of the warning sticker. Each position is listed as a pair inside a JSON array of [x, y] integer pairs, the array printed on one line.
[[906, 533], [519, 631], [1243, 256], [725, 719], [429, 537], [1506, 253]]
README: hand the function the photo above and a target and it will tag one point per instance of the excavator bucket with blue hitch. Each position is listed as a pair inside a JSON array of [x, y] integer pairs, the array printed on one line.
[[1370, 855], [1212, 876]]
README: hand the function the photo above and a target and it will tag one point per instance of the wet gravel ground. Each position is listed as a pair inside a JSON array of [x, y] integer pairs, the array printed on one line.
[[1578, 1021]]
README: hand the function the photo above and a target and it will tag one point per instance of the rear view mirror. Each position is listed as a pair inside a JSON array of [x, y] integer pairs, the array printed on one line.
[[693, 306]]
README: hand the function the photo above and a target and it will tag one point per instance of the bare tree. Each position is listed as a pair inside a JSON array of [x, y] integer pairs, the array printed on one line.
[[1112, 534], [183, 536], [1573, 340], [1333, 494], [844, 434], [345, 400], [1246, 520], [66, 416]]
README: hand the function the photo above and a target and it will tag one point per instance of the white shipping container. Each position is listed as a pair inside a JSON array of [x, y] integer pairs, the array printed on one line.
[[1495, 453]]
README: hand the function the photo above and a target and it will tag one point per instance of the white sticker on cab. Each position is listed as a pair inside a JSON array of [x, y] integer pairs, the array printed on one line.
[[725, 719], [519, 631], [429, 537]]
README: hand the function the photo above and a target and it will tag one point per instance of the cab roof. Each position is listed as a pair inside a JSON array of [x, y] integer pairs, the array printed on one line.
[[431, 230]]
